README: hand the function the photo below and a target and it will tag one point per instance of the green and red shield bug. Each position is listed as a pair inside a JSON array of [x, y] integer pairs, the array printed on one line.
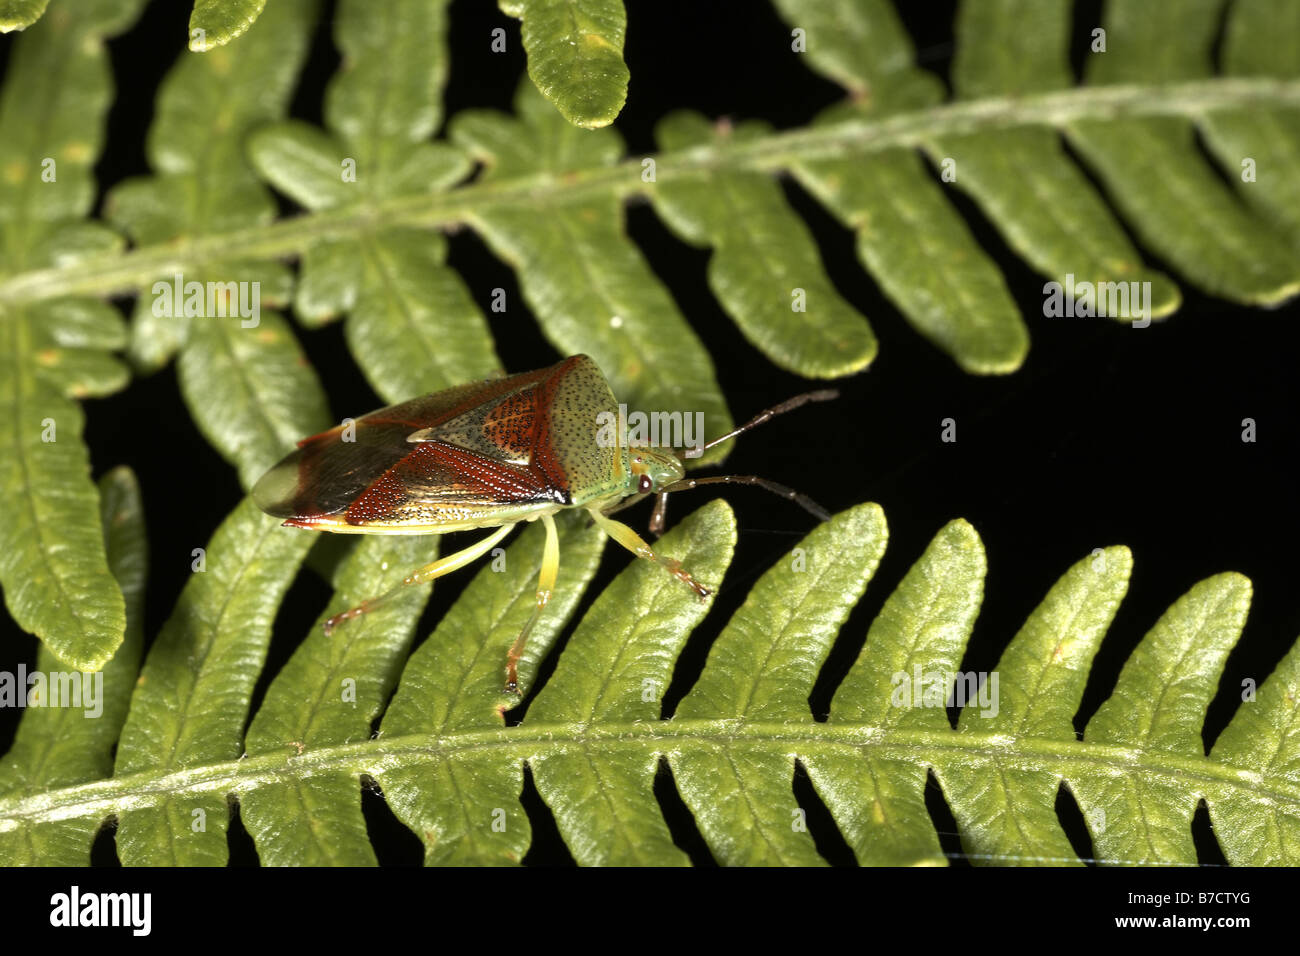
[[489, 455]]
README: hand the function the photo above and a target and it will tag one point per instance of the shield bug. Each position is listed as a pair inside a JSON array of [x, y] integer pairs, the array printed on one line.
[[489, 455]]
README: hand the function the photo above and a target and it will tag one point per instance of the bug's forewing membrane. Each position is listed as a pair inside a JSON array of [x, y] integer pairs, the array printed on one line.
[[429, 451]]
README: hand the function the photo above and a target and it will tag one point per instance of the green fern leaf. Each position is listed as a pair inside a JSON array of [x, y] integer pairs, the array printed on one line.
[[465, 808], [614, 671], [58, 349], [575, 55], [1006, 812], [761, 669], [594, 734], [20, 14], [1183, 657], [1260, 828], [244, 379], [1258, 41], [1175, 200], [215, 23], [574, 47], [765, 268], [412, 325], [344, 680], [1024, 179], [878, 800], [60, 746], [196, 683]]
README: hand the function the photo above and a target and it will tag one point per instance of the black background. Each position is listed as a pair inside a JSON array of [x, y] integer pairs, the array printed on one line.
[[1107, 435]]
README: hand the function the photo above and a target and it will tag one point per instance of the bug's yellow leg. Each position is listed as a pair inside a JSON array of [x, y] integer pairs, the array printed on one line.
[[632, 541], [545, 586], [437, 569]]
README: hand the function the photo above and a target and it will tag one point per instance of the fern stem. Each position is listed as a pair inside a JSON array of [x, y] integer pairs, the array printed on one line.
[[140, 790]]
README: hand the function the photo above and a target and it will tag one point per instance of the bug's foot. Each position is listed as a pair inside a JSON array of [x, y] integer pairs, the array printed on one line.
[[512, 677], [337, 619], [675, 567]]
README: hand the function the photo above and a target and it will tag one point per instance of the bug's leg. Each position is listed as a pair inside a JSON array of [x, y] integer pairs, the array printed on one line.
[[545, 586], [437, 569], [632, 541], [657, 516]]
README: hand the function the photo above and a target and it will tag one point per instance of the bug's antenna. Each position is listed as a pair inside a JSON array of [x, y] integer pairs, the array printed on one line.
[[803, 501], [789, 405]]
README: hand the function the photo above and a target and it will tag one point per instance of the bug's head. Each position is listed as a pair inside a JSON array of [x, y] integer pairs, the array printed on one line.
[[654, 469]]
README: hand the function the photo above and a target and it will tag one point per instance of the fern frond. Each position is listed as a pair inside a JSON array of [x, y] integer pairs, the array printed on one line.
[[1001, 139], [53, 568], [595, 733]]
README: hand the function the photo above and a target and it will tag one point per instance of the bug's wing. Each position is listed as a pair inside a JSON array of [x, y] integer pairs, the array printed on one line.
[[443, 458]]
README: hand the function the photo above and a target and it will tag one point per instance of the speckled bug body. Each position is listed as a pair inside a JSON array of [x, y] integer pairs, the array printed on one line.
[[486, 454]]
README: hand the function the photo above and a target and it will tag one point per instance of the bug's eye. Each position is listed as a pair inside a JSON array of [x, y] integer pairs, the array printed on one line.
[[644, 484]]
